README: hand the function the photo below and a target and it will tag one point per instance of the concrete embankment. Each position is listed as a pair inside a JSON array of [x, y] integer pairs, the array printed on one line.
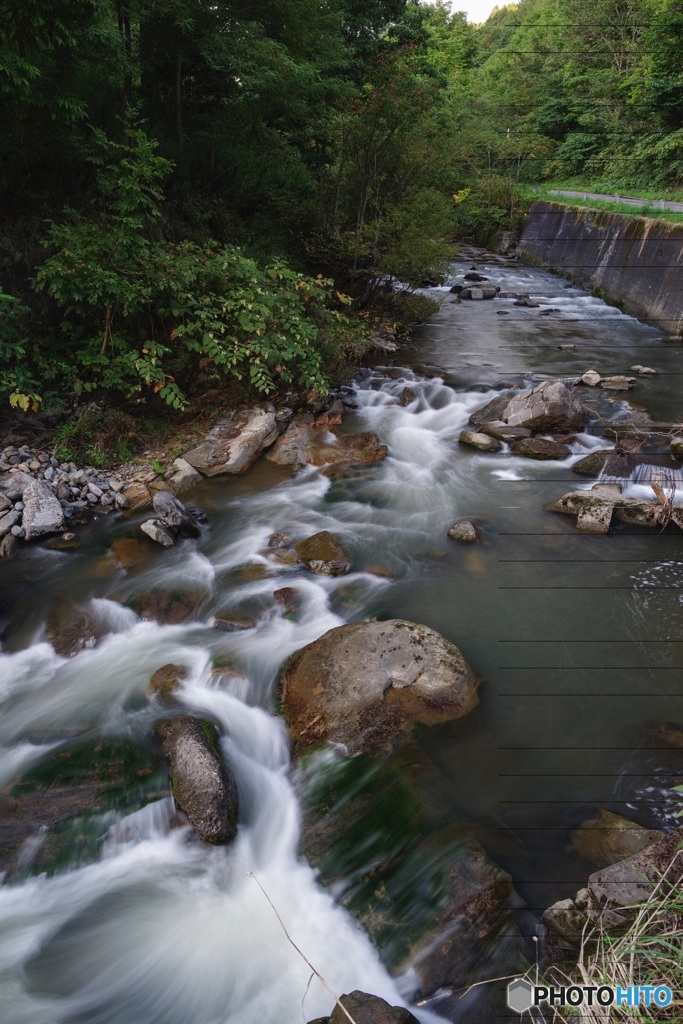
[[634, 262]]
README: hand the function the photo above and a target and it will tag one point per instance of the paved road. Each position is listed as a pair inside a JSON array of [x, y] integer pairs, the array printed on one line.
[[657, 204]]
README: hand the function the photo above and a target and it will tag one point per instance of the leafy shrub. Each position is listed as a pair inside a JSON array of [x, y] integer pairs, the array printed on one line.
[[134, 306], [16, 382]]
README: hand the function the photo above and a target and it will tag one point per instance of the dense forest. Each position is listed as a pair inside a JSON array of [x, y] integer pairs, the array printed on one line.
[[198, 191]]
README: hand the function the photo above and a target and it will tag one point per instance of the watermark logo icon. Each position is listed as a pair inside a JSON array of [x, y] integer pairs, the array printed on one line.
[[522, 995]]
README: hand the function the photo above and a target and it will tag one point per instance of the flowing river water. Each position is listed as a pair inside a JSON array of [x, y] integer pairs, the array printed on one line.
[[578, 640]]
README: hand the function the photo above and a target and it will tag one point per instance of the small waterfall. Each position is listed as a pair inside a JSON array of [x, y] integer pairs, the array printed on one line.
[[642, 469]]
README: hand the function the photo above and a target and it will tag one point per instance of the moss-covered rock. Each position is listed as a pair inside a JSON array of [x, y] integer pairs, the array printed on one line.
[[203, 786]]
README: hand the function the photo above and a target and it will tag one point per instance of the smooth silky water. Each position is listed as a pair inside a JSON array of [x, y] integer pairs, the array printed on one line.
[[579, 641]]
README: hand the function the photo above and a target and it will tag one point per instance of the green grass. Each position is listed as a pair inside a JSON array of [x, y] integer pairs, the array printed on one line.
[[625, 209], [583, 185], [649, 952]]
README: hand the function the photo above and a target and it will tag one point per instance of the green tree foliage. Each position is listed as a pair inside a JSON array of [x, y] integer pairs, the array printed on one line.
[[136, 306]]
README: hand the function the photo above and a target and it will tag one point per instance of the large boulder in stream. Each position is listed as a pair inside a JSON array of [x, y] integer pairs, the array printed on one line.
[[366, 684], [552, 405], [300, 446], [203, 787], [42, 510], [235, 442], [366, 1009], [322, 553]]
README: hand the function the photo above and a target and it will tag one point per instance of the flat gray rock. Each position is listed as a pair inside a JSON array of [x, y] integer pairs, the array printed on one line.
[[235, 443], [42, 510]]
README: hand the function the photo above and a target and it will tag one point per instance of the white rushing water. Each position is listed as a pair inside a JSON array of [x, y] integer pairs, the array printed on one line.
[[162, 929]]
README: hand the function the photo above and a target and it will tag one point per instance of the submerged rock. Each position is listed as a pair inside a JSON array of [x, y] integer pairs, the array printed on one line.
[[129, 552], [229, 622], [355, 449], [167, 607], [203, 787], [165, 681], [476, 915], [366, 684], [609, 838], [8, 546], [322, 553], [71, 628]]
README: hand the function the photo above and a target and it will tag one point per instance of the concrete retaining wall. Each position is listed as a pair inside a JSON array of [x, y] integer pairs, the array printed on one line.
[[635, 262]]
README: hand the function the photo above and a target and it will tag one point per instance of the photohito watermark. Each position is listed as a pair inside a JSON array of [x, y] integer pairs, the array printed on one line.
[[523, 996]]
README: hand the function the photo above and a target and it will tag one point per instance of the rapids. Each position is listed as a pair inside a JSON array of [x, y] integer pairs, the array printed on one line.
[[578, 639]]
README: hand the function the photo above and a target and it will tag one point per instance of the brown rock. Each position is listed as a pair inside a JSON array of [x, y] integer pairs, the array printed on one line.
[[281, 556], [298, 446], [137, 495], [165, 682], [352, 449], [540, 448], [609, 838], [365, 685], [407, 396], [167, 607], [592, 464], [287, 597], [254, 571], [475, 916], [668, 733], [322, 553], [228, 622], [129, 553], [70, 628]]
